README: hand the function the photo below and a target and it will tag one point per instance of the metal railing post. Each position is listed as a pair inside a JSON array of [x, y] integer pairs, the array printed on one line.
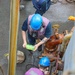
[[14, 22]]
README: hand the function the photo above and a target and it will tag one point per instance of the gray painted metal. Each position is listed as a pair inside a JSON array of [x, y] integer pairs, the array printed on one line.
[[69, 57]]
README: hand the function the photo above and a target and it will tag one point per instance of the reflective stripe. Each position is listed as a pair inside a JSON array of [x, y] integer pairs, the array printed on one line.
[[33, 73]]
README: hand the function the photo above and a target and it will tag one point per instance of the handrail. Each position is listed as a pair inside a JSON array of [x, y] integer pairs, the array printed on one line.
[[14, 21]]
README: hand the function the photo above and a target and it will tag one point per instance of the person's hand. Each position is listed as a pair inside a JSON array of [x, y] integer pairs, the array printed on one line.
[[24, 45], [36, 47], [47, 73]]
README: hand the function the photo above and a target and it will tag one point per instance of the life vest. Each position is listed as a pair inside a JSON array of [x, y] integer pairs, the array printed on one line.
[[34, 71], [37, 4], [40, 33]]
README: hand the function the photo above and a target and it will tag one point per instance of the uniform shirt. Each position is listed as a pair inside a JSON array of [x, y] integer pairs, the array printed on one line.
[[41, 4], [48, 30]]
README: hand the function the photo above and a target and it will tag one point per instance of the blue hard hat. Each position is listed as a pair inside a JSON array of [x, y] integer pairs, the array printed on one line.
[[44, 61], [36, 22]]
